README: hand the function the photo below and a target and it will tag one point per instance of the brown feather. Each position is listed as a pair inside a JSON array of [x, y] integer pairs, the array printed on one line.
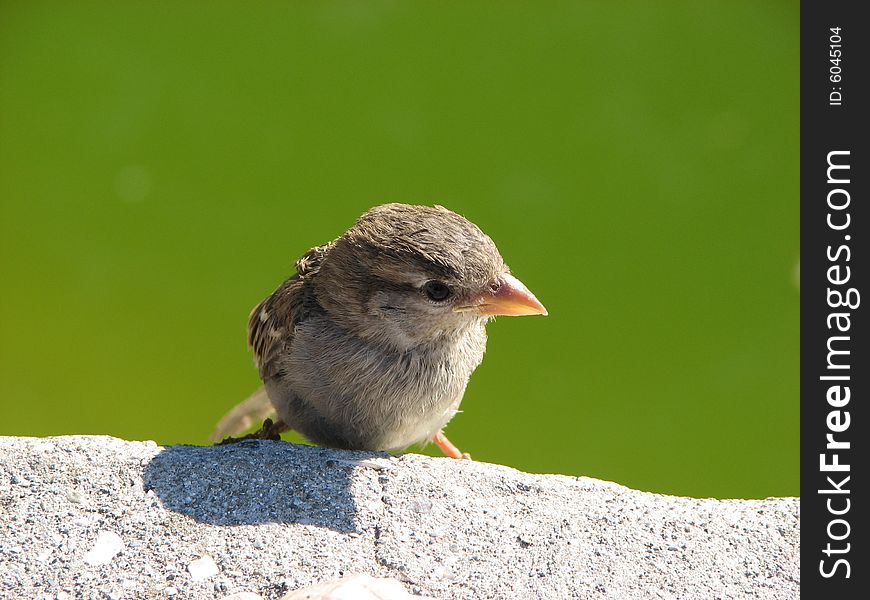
[[271, 323]]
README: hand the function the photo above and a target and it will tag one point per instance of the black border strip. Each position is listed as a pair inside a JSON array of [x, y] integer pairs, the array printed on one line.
[[835, 299]]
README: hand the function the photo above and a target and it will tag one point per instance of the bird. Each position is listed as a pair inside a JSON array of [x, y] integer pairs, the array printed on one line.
[[370, 344]]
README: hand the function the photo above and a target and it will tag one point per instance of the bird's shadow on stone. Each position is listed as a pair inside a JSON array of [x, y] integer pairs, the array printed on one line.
[[255, 482]]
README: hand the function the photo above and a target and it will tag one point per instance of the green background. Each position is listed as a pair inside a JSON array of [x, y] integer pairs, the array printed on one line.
[[163, 164]]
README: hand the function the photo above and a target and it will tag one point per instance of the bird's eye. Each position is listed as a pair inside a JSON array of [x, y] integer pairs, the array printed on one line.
[[436, 290]]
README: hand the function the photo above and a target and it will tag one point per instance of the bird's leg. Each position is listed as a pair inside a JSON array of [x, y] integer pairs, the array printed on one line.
[[448, 448], [271, 430]]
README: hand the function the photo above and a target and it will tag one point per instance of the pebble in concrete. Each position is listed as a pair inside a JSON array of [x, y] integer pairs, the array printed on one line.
[[107, 545], [202, 568]]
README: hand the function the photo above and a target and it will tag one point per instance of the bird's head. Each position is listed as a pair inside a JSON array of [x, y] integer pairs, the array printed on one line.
[[407, 275]]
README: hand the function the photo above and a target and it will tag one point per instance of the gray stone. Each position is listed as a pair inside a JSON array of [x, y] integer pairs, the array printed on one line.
[[276, 517]]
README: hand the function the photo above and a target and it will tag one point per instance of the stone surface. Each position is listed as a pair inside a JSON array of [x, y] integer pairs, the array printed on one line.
[[97, 517], [355, 587]]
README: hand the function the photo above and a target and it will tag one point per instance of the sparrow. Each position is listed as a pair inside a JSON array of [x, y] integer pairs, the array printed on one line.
[[370, 344]]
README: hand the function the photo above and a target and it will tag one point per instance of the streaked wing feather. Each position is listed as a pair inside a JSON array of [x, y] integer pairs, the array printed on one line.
[[271, 323]]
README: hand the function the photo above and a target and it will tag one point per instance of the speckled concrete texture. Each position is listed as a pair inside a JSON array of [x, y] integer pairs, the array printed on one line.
[[98, 517]]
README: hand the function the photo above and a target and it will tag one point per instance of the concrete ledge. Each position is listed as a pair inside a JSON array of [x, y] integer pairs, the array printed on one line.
[[98, 517]]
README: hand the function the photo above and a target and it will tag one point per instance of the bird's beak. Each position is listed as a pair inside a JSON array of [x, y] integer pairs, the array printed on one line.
[[512, 298]]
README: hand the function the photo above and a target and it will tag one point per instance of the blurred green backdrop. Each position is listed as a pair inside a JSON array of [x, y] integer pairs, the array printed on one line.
[[163, 164]]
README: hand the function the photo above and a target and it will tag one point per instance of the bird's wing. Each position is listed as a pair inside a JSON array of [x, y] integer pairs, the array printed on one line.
[[270, 330], [272, 322]]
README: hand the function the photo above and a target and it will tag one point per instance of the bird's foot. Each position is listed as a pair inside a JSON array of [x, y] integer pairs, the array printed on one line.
[[448, 448], [271, 430]]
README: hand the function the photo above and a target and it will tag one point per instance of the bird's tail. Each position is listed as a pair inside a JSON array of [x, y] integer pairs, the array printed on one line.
[[243, 415]]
